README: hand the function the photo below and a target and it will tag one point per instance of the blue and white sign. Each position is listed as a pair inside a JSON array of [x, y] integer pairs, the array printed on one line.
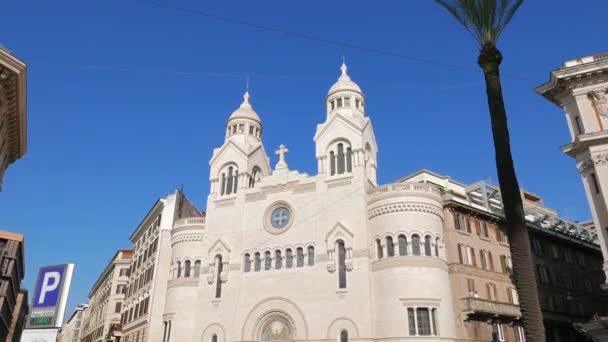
[[50, 296]]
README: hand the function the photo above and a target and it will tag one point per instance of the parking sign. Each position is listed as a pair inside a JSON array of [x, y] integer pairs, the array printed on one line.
[[50, 296]]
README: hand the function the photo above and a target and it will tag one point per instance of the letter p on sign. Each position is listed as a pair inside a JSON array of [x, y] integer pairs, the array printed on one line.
[[49, 283]]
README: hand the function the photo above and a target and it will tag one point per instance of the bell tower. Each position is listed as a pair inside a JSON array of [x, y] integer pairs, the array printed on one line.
[[580, 88], [345, 142]]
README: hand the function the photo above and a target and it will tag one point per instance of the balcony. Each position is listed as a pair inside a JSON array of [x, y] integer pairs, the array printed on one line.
[[191, 221], [478, 309]]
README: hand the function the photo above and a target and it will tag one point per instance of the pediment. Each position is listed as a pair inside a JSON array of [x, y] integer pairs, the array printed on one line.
[[231, 145], [339, 118], [339, 231], [219, 247]]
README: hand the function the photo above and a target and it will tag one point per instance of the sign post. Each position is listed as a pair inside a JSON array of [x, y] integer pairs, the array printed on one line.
[[49, 301]]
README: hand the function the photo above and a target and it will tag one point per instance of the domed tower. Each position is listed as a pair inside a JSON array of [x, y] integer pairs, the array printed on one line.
[[345, 142], [241, 161]]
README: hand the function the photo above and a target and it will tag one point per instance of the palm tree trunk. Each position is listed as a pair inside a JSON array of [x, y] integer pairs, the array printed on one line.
[[515, 222]]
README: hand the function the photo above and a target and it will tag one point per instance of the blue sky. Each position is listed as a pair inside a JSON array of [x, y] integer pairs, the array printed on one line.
[[126, 101]]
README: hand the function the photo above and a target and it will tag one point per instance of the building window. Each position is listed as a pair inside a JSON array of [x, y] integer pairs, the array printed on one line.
[[579, 125], [422, 321], [543, 274], [568, 256], [166, 331], [118, 307], [581, 259], [491, 289], [520, 335], [187, 269], [267, 261], [311, 256], [537, 246], [437, 247], [343, 336], [339, 103], [484, 261], [498, 331], [347, 102], [461, 222], [197, 268], [179, 269], [415, 244], [288, 258], [427, 246], [247, 263], [341, 264], [482, 229], [332, 163], [300, 257], [512, 295], [390, 247], [555, 251], [214, 338], [341, 159], [402, 244], [588, 285], [502, 236], [257, 262], [278, 259], [596, 185], [379, 250], [219, 268]]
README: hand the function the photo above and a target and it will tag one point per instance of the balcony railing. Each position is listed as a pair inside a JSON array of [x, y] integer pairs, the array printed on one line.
[[191, 221], [484, 310], [405, 187]]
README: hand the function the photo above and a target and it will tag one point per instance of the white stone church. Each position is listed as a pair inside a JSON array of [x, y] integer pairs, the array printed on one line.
[[288, 256]]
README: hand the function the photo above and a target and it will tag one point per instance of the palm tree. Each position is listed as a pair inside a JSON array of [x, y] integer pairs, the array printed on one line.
[[486, 20]]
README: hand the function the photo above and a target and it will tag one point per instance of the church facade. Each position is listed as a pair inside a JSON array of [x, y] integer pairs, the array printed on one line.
[[280, 255]]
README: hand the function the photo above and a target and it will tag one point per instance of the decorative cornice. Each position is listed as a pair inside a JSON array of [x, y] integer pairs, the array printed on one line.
[[596, 160], [409, 261], [403, 207], [187, 238], [478, 272]]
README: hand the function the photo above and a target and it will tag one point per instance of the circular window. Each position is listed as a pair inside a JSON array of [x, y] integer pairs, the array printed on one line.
[[278, 218]]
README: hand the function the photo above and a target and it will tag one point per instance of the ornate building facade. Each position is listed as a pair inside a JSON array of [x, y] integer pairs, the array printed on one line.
[[106, 298], [13, 120], [281, 255], [72, 329], [580, 88]]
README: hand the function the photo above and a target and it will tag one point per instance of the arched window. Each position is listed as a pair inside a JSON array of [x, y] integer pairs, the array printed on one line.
[[402, 244], [349, 160], [187, 269], [340, 158], [343, 336], [288, 258], [390, 247], [247, 262], [437, 247], [427, 246], [223, 185], [332, 163], [267, 261], [229, 182], [311, 255], [415, 244], [179, 269], [219, 267], [197, 268], [300, 255], [341, 264], [257, 262], [214, 338], [379, 251], [278, 259], [256, 175]]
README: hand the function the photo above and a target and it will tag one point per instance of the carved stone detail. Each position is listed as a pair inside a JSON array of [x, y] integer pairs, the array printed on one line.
[[331, 267], [186, 238], [399, 207], [598, 159], [600, 101]]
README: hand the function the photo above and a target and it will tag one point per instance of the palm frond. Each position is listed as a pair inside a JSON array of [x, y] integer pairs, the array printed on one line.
[[485, 20]]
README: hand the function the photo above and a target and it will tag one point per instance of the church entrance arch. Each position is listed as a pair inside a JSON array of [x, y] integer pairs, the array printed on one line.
[[275, 320]]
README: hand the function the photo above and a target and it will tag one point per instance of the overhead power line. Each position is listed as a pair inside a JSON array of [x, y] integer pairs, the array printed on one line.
[[344, 45]]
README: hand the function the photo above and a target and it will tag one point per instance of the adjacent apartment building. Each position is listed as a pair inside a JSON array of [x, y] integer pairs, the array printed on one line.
[[72, 329], [142, 312], [13, 120], [106, 299], [567, 258], [13, 298]]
